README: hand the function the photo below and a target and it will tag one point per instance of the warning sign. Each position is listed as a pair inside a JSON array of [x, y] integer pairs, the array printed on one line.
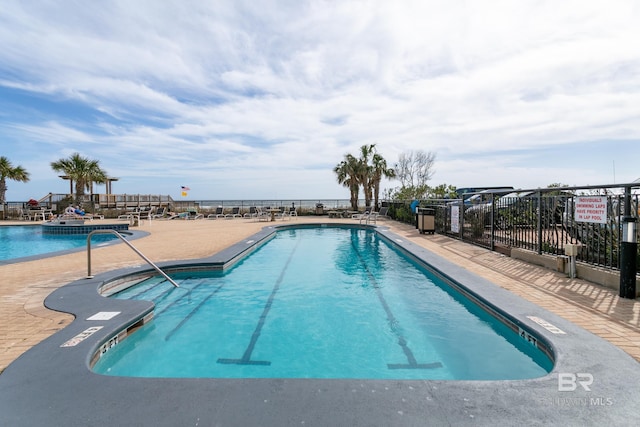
[[455, 219], [591, 209]]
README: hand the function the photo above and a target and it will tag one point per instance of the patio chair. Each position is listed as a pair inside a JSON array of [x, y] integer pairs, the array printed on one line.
[[219, 213], [159, 213], [262, 215], [382, 214], [283, 213], [235, 213], [129, 215], [24, 215], [252, 212], [365, 214], [195, 215]]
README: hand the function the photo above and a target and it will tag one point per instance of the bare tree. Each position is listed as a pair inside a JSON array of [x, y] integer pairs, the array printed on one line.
[[415, 168]]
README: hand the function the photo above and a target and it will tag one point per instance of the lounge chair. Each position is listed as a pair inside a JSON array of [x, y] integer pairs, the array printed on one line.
[[287, 212], [159, 213], [187, 215], [252, 212], [365, 214], [369, 216], [382, 214], [194, 215], [92, 216], [128, 216], [219, 213], [235, 213]]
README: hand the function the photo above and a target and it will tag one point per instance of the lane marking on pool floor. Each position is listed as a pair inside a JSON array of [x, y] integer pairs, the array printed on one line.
[[192, 312], [412, 363], [246, 357]]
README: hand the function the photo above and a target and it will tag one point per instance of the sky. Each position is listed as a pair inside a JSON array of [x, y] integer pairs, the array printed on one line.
[[261, 100]]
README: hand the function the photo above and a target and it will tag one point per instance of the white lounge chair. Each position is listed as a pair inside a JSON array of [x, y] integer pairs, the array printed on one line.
[[219, 213], [159, 213], [252, 212], [235, 213], [262, 215], [365, 214], [195, 215]]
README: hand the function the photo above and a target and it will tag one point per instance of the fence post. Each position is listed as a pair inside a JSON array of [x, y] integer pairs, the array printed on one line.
[[493, 220], [628, 250], [539, 222]]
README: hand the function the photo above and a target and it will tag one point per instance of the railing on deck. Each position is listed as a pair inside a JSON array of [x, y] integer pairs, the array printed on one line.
[[540, 220]]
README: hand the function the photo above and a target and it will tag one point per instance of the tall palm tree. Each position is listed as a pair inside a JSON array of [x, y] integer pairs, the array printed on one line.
[[347, 172], [82, 170], [379, 169], [365, 171], [14, 173]]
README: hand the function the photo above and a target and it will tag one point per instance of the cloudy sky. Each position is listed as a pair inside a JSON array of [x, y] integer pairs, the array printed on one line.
[[246, 99]]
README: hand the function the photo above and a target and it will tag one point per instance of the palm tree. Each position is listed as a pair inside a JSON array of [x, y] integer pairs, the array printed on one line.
[[14, 173], [82, 170], [379, 169], [348, 172], [366, 172]]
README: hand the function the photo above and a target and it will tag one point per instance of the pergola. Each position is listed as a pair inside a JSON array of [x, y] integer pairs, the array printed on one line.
[[108, 183]]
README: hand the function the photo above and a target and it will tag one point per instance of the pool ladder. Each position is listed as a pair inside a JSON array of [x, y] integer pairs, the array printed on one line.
[[115, 233]]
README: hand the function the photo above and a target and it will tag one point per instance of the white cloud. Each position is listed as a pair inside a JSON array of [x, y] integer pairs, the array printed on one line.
[[226, 92]]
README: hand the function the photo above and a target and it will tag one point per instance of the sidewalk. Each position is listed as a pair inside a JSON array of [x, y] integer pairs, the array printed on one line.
[[24, 321]]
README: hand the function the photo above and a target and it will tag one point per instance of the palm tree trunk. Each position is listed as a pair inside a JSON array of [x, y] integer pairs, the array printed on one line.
[[354, 197], [3, 190]]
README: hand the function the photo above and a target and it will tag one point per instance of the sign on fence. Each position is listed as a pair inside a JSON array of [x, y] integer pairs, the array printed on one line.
[[455, 219], [591, 209]]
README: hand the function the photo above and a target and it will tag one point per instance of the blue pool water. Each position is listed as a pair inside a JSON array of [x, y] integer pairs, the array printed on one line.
[[24, 241], [319, 303]]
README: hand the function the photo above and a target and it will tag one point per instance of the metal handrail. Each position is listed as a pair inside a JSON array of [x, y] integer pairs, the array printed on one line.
[[89, 276]]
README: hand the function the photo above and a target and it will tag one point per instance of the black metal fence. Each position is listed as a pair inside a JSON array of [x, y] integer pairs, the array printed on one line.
[[540, 220], [112, 205]]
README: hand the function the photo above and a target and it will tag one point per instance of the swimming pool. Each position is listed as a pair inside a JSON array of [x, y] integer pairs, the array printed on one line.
[[25, 242], [53, 384], [320, 303]]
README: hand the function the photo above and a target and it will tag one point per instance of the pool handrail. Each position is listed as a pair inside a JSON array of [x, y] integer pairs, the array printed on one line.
[[114, 232]]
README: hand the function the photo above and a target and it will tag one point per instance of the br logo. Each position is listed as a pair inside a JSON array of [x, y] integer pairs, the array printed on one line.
[[569, 381]]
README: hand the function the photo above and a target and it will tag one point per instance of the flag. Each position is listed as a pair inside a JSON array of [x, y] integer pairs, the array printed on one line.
[[184, 194], [185, 188]]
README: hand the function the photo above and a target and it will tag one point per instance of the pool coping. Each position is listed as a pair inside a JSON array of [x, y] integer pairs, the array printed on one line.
[[53, 385]]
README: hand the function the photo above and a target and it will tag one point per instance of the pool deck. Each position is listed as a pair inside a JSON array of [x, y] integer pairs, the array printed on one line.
[[24, 321]]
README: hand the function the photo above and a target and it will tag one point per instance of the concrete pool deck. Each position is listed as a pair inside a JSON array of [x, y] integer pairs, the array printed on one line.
[[24, 321]]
